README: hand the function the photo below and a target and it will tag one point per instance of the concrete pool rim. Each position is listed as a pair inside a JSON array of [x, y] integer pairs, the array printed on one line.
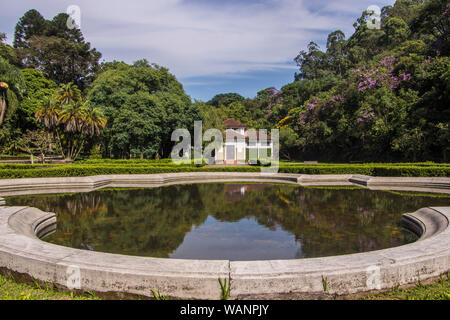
[[22, 251]]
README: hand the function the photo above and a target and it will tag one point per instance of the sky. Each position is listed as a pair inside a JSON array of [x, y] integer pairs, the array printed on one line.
[[211, 46]]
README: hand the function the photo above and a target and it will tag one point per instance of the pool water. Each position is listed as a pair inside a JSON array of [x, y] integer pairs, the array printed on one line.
[[218, 221]]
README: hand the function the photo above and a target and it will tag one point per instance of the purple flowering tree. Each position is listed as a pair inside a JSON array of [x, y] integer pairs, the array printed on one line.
[[381, 76]]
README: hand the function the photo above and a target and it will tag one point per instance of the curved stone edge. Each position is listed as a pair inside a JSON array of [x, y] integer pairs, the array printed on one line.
[[425, 223], [355, 273], [22, 252], [419, 184], [196, 279], [10, 187]]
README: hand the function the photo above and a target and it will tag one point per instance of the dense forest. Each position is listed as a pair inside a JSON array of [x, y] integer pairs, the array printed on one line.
[[378, 95]]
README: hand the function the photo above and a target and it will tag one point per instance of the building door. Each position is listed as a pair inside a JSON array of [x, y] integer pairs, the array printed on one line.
[[231, 153]]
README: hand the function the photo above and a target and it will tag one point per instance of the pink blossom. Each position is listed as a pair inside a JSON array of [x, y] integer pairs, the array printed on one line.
[[388, 62], [338, 98], [310, 106], [365, 115], [406, 76]]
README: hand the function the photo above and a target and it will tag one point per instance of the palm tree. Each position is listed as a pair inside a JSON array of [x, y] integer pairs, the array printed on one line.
[[11, 84], [71, 120], [94, 121], [68, 93], [72, 116], [48, 113], [80, 121]]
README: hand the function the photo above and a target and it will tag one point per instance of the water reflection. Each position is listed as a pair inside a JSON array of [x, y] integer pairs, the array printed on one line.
[[230, 221]]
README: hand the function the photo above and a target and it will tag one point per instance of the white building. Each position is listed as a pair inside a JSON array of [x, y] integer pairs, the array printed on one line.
[[243, 146]]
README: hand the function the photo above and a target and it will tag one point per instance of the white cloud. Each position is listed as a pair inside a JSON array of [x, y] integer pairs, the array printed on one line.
[[194, 39]]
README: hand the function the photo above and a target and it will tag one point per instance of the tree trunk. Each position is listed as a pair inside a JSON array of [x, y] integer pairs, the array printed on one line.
[[77, 152], [2, 107], [60, 144]]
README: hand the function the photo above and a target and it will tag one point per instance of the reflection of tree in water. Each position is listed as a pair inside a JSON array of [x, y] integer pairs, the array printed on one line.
[[327, 221], [154, 222], [142, 222]]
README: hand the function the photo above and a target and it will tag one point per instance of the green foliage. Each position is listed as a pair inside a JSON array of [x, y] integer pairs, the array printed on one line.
[[378, 95], [225, 99], [37, 90], [7, 52], [95, 153], [71, 120], [389, 99], [32, 23], [54, 48], [93, 167], [11, 91], [439, 290], [143, 104], [158, 296], [12, 290], [289, 142], [396, 31], [56, 56], [224, 289], [313, 63], [325, 284]]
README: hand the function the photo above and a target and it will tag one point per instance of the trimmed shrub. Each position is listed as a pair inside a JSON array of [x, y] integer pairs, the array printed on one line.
[[107, 167]]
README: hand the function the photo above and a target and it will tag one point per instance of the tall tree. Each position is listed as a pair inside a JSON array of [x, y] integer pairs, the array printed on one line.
[[73, 123], [396, 30], [31, 24], [48, 113], [312, 63], [64, 61], [7, 52], [336, 52], [434, 19], [364, 43], [68, 93], [60, 53], [37, 90], [143, 103], [225, 99]]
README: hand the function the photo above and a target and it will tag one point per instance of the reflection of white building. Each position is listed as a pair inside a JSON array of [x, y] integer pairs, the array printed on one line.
[[242, 146]]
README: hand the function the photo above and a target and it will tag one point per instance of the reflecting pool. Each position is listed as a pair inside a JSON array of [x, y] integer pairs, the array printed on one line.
[[231, 221]]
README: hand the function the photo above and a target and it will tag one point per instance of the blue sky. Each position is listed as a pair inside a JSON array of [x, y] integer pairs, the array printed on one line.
[[211, 46]]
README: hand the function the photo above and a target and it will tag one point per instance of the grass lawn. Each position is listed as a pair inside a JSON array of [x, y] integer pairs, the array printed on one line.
[[11, 290], [440, 290]]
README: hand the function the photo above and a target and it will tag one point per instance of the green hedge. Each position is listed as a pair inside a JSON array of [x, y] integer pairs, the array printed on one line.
[[412, 164], [376, 171], [79, 170], [14, 166]]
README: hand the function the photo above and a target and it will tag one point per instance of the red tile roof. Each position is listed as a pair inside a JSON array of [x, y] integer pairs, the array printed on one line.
[[231, 123]]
